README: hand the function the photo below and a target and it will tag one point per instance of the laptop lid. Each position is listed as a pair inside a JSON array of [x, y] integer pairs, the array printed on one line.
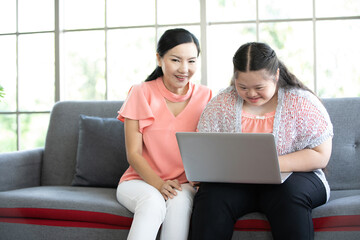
[[230, 157]]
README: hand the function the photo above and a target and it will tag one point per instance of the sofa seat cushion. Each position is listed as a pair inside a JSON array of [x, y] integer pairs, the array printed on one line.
[[341, 202], [98, 208], [65, 206]]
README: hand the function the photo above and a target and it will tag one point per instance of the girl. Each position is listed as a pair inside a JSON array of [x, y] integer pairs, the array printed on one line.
[[265, 97], [155, 187]]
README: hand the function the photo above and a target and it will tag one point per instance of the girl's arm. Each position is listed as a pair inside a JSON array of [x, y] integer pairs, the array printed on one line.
[[307, 160], [134, 143]]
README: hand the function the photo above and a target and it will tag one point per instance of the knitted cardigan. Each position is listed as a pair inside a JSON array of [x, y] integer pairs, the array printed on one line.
[[301, 121]]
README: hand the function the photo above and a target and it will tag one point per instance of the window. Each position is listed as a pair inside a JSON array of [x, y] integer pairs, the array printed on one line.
[[96, 49]]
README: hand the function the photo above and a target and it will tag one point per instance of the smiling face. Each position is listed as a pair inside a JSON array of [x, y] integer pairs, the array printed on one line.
[[257, 88], [179, 65]]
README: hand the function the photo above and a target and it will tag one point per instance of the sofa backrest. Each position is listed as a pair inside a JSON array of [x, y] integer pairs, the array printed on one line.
[[343, 170], [62, 137]]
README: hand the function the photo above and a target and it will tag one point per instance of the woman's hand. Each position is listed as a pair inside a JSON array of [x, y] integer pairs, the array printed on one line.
[[168, 188]]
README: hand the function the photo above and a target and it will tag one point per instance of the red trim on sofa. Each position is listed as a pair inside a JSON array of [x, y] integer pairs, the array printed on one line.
[[60, 223], [337, 223], [252, 225], [333, 223], [76, 218], [64, 217]]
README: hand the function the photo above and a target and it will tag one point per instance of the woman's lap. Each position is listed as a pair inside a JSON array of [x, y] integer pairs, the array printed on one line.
[[289, 203]]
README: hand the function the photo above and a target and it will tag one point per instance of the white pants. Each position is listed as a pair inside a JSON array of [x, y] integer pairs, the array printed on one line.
[[151, 210]]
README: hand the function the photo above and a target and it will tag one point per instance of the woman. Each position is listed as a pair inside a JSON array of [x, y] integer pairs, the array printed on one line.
[[265, 97], [155, 187]]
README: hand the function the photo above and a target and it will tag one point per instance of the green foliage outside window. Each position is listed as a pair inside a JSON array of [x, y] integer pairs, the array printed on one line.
[[2, 94]]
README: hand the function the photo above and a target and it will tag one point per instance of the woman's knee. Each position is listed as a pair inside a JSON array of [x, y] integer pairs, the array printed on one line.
[[302, 190], [141, 198], [184, 197], [151, 205], [153, 200], [182, 204]]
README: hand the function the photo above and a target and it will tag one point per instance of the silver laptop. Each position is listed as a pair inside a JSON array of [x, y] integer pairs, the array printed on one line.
[[230, 157]]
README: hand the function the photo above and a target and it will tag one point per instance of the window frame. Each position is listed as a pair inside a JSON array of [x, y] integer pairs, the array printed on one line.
[[204, 23]]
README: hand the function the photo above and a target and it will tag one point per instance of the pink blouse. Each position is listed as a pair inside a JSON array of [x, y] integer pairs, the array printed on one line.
[[146, 103], [257, 124]]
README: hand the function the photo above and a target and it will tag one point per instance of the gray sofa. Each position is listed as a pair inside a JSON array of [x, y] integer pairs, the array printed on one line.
[[66, 190]]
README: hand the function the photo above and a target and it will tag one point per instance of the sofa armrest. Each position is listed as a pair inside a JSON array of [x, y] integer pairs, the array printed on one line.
[[20, 169]]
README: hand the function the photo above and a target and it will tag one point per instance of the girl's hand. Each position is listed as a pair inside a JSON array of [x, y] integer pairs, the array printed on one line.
[[195, 185], [169, 187]]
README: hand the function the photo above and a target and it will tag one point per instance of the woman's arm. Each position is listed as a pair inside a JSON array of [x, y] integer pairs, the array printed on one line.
[[134, 143], [307, 159]]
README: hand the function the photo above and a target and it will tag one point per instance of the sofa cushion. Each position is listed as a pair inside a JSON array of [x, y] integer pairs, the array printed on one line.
[[101, 157], [64, 206], [97, 207]]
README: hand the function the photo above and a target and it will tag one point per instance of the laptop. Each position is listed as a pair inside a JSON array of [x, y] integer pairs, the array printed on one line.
[[230, 157]]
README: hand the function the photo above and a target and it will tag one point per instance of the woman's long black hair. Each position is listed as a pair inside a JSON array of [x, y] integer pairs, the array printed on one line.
[[171, 38]]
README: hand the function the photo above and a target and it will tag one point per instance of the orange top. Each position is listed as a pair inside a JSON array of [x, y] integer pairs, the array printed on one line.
[[257, 124], [146, 103]]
